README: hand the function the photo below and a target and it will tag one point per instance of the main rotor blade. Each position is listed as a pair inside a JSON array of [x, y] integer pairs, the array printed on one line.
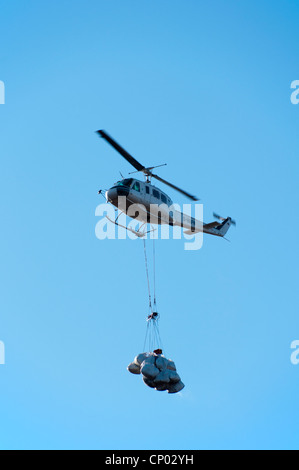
[[138, 166], [121, 150], [194, 198]]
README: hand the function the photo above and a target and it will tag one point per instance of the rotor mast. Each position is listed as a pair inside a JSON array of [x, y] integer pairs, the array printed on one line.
[[147, 172]]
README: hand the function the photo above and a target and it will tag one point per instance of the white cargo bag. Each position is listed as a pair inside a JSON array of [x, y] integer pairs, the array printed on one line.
[[161, 387], [140, 358], [163, 377], [175, 387], [149, 370], [148, 382], [157, 372], [171, 365], [174, 376], [161, 362], [134, 368]]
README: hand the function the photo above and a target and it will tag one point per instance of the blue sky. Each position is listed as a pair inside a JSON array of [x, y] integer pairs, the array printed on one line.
[[205, 87]]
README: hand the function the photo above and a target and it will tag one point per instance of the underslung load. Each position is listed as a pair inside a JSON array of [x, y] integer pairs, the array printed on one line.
[[157, 371]]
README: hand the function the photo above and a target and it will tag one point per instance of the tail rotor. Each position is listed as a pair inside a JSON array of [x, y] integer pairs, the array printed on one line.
[[217, 216]]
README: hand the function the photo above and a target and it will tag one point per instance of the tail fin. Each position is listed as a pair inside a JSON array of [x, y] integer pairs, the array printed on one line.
[[223, 228]]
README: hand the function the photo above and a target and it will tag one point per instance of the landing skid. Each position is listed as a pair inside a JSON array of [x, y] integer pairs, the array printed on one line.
[[138, 233]]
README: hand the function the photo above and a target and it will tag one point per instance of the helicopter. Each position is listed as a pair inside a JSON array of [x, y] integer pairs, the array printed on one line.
[[129, 192]]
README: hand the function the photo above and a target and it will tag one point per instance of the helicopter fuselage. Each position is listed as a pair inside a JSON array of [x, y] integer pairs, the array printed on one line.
[[143, 201]]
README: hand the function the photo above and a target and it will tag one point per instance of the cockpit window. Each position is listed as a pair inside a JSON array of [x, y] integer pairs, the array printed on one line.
[[136, 186], [126, 182]]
